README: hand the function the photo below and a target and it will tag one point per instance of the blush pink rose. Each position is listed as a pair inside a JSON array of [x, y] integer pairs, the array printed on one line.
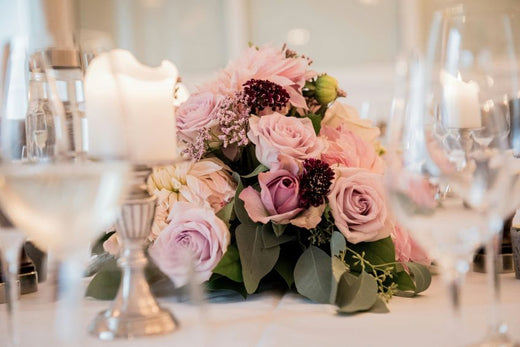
[[347, 148], [358, 205], [278, 199], [194, 115], [406, 249], [263, 63], [276, 135], [194, 234], [347, 116]]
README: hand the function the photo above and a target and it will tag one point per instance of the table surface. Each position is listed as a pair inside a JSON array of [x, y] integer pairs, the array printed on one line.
[[275, 319]]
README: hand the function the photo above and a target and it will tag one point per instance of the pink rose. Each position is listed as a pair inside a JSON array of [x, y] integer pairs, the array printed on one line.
[[194, 115], [406, 249], [347, 116], [264, 63], [278, 199], [347, 148], [358, 205], [112, 245], [276, 135], [194, 234]]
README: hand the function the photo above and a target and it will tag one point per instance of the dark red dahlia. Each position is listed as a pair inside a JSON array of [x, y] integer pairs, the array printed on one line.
[[315, 183], [259, 94]]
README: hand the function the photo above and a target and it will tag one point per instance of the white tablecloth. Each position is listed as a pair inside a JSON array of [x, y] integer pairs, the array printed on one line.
[[273, 319]]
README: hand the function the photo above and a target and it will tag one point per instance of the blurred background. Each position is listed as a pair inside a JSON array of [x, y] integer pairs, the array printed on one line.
[[357, 41]]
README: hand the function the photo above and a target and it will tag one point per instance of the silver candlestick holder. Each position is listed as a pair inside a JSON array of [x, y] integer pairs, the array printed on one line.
[[135, 311]]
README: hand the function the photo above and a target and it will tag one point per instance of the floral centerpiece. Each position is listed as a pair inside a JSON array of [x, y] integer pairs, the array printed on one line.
[[284, 188]]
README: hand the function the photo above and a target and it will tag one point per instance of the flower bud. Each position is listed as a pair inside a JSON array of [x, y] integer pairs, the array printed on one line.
[[326, 89]]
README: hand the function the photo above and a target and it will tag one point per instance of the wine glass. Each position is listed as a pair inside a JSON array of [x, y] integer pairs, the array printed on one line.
[[475, 43], [440, 180], [63, 202]]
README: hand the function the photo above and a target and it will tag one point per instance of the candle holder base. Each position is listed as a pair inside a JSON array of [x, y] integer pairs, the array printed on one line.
[[134, 312], [109, 326]]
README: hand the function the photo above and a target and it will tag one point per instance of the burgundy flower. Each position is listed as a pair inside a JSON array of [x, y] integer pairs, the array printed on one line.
[[315, 183], [262, 94]]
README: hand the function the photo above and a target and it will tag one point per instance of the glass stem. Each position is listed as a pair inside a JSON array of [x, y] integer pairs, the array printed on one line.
[[68, 308], [454, 278], [10, 266], [495, 318]]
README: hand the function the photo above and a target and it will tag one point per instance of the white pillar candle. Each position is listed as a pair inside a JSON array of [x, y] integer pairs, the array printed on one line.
[[129, 108], [461, 103]]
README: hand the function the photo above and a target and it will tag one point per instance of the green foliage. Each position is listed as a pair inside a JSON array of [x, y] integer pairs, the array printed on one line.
[[240, 211], [285, 267], [270, 239], [226, 213], [421, 276], [356, 293], [312, 275], [259, 169], [218, 282], [316, 122], [278, 229], [257, 261], [105, 283], [229, 266]]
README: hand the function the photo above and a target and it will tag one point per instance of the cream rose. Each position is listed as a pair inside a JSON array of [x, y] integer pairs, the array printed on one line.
[[348, 117]]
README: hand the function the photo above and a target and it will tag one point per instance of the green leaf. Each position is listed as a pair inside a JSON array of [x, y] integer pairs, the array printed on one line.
[[257, 261], [337, 243], [260, 168], [405, 283], [105, 284], [97, 248], [278, 228], [376, 252], [316, 122], [421, 276], [338, 269], [269, 238], [285, 268], [356, 293], [240, 210], [379, 306], [226, 212], [218, 282], [312, 275], [229, 266]]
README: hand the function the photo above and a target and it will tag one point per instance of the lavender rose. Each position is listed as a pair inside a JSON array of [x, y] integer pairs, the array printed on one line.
[[276, 135], [194, 115], [279, 198], [358, 205], [194, 233]]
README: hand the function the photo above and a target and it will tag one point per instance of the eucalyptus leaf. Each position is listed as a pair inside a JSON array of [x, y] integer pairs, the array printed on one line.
[[338, 269], [379, 306], [313, 274], [337, 243], [259, 169], [218, 282], [229, 266], [257, 261], [285, 268], [104, 285], [240, 210], [278, 228], [316, 122], [226, 212], [405, 282], [376, 252], [356, 293], [271, 240], [421, 276]]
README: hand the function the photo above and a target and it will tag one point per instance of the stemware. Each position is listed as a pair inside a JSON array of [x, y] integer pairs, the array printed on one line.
[[476, 42], [446, 155], [61, 200]]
